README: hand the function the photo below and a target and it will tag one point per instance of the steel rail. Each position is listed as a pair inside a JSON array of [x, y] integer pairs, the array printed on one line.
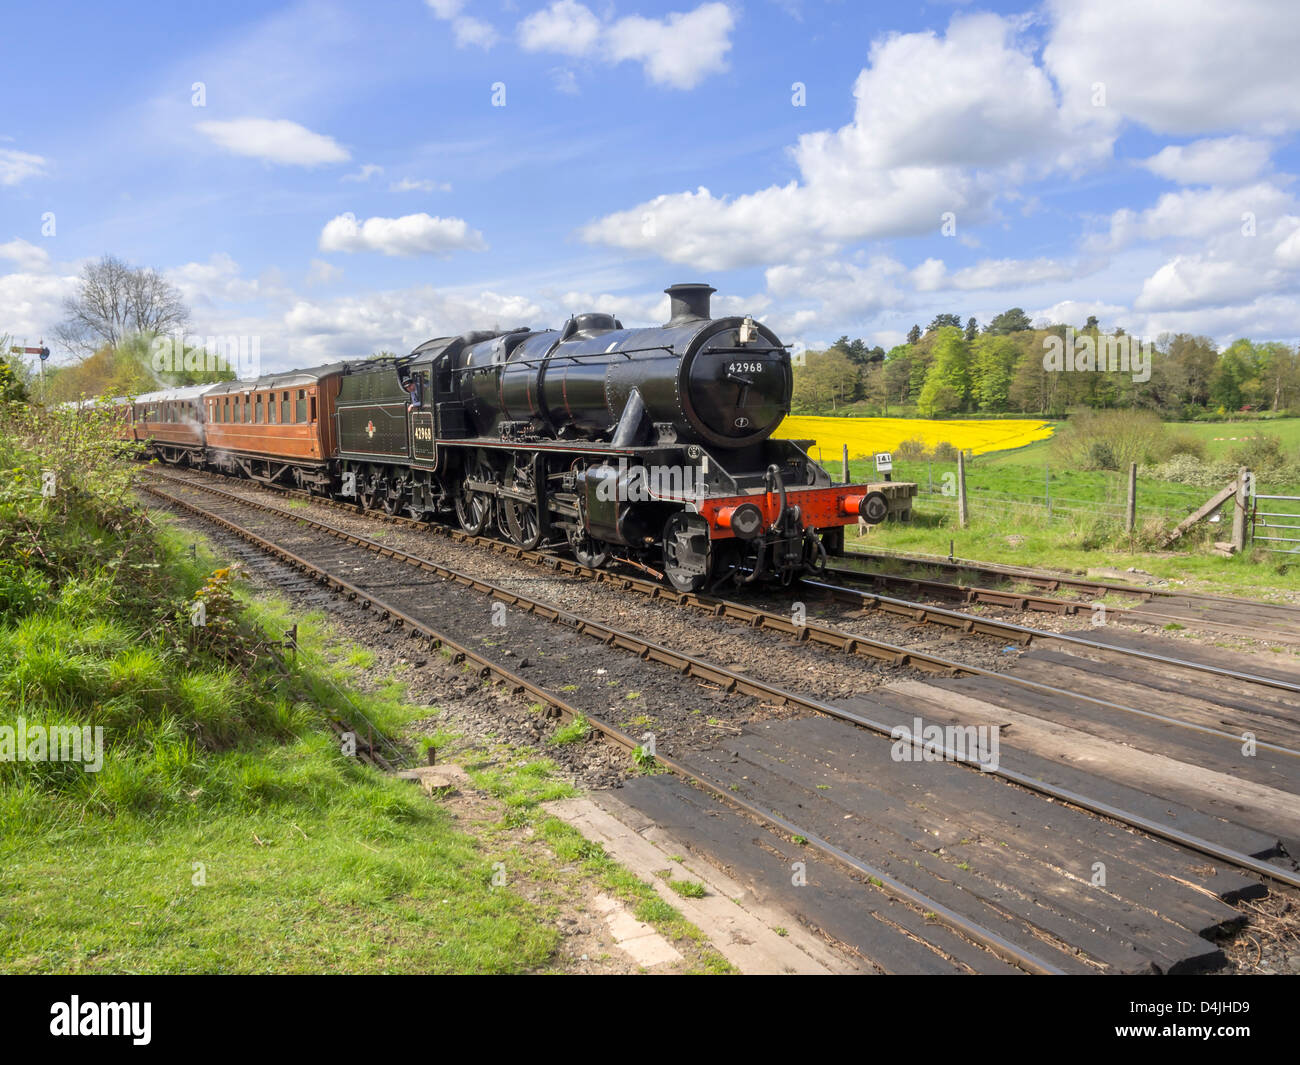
[[731, 680], [970, 593], [995, 943], [1059, 580], [996, 627]]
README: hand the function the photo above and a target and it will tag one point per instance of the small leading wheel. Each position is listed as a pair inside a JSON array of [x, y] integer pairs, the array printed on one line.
[[687, 555], [519, 521], [590, 552]]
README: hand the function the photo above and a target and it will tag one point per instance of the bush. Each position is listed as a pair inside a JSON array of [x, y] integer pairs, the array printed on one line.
[[1261, 453], [1111, 439], [1187, 444], [911, 450]]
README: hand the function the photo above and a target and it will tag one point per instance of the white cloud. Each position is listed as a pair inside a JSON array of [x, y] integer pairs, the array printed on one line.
[[1197, 214], [419, 185], [275, 140], [678, 51], [566, 27], [466, 29], [16, 166], [838, 291], [1197, 281], [412, 234], [367, 171], [320, 330], [1076, 313], [206, 285], [1216, 161], [930, 113], [25, 255], [933, 275], [1197, 66], [33, 303]]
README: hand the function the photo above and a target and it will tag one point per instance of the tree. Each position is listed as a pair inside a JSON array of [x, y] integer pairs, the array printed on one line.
[[1012, 321], [1230, 381], [1091, 325], [947, 382], [972, 329], [13, 380], [115, 301], [914, 334], [826, 377], [943, 320], [993, 360]]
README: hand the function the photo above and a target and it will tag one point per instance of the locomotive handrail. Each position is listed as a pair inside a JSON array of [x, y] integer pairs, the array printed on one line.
[[542, 360]]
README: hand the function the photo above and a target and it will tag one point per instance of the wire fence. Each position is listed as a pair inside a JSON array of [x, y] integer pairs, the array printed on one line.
[[1104, 495]]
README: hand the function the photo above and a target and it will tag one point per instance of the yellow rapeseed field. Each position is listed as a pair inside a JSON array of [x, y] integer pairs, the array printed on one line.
[[866, 436]]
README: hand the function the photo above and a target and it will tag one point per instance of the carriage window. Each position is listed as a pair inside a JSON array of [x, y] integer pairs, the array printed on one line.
[[284, 407], [270, 409], [313, 408], [300, 408], [257, 408]]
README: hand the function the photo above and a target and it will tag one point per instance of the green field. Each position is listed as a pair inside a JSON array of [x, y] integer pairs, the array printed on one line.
[[1011, 521]]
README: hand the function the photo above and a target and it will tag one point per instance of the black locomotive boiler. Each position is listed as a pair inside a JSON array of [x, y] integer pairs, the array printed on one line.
[[653, 446]]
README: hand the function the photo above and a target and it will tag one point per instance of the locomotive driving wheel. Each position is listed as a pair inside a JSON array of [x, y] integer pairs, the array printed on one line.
[[474, 509]]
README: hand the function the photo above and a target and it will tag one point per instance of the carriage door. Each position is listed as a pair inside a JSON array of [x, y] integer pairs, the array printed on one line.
[[421, 423]]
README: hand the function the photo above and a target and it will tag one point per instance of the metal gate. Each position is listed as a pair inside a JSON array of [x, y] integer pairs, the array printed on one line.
[[1281, 518]]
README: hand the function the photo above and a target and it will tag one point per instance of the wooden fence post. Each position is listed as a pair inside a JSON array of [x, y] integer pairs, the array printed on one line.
[[846, 464], [1239, 512], [962, 515], [1130, 514]]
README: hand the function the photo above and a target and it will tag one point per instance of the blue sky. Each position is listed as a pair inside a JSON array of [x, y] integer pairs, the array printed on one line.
[[348, 184]]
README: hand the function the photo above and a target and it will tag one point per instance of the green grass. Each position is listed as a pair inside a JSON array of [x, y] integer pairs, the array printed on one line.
[[574, 731], [226, 830]]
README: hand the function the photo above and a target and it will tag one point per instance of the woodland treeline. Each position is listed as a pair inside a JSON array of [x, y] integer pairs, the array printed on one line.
[[953, 369]]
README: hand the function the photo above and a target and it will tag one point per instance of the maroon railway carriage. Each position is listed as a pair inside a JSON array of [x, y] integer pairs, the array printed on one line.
[[278, 428]]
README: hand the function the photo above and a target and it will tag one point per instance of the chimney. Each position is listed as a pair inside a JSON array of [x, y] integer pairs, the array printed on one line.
[[689, 302]]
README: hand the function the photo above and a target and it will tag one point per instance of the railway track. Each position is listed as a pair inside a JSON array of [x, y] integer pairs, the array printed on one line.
[[1019, 934], [1273, 735], [1229, 615]]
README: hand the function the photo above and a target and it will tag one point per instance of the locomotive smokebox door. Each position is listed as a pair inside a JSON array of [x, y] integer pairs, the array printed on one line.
[[422, 444]]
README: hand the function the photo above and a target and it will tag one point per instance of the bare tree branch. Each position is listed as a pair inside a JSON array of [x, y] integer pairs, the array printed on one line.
[[114, 301]]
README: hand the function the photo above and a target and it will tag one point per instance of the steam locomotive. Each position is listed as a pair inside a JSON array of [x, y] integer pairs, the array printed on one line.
[[652, 447]]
